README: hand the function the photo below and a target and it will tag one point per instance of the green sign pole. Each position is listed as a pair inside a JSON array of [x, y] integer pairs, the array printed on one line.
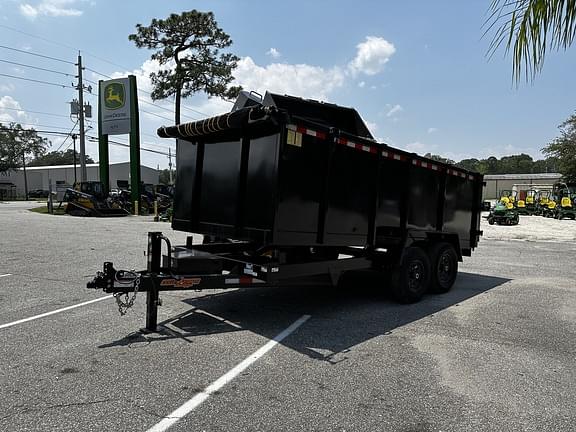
[[103, 152], [134, 143]]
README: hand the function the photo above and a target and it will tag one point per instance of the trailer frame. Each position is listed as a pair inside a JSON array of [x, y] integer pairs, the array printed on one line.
[[292, 189]]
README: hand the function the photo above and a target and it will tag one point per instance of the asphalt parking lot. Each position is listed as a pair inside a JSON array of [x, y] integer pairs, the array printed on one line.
[[498, 353]]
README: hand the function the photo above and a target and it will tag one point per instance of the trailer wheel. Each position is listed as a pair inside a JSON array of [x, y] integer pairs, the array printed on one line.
[[411, 279], [444, 262]]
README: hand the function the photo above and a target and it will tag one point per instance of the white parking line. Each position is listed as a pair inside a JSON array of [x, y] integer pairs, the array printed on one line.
[[53, 312], [4, 275], [199, 398], [216, 317]]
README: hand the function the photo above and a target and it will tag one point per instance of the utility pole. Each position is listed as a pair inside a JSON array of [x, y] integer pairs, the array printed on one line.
[[170, 165], [74, 136], [25, 177], [83, 174]]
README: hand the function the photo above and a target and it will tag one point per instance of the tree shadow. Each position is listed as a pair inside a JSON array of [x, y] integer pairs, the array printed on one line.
[[340, 320]]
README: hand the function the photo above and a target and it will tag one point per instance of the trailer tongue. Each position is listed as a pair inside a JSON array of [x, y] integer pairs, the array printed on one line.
[[289, 191]]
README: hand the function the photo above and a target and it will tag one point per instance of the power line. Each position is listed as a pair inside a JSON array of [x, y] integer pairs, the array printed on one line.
[[98, 73], [37, 55], [182, 106], [91, 138], [149, 103], [147, 143], [156, 115], [69, 134], [40, 125], [36, 67], [43, 132], [156, 137], [38, 37], [118, 143], [62, 45], [91, 70], [150, 94], [36, 81], [33, 112], [165, 109]]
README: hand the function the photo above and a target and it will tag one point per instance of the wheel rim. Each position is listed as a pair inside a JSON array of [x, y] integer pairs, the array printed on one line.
[[445, 268], [415, 275]]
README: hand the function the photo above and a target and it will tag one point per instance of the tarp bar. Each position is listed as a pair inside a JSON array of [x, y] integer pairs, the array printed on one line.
[[224, 122]]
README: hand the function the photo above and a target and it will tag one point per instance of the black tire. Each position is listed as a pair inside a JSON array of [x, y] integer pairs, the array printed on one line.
[[491, 221], [444, 260], [411, 279]]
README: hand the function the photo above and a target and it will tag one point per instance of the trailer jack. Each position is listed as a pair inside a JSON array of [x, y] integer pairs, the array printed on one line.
[[123, 282]]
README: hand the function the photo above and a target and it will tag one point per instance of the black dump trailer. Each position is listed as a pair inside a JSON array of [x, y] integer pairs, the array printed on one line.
[[287, 190]]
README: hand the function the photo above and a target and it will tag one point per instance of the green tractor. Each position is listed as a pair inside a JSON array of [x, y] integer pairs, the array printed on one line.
[[542, 201], [550, 209], [565, 201], [531, 201], [504, 213], [509, 196], [525, 204]]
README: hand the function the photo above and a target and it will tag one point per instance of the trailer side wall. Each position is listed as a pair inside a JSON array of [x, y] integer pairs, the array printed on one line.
[[307, 189]]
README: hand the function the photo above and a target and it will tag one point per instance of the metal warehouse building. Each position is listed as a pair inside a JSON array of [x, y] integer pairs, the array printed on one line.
[[12, 182], [496, 183]]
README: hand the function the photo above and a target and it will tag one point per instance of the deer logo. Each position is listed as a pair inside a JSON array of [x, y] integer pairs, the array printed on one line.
[[114, 96]]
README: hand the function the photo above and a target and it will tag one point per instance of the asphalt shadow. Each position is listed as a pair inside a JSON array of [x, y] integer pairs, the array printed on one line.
[[341, 318]]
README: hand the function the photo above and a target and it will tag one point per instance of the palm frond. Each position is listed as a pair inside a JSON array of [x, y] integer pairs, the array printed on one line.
[[528, 28]]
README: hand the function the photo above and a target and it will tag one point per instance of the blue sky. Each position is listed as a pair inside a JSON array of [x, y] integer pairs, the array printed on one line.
[[416, 71]]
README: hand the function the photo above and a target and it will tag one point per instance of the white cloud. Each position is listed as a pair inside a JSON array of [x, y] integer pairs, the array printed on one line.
[[9, 102], [420, 148], [371, 56], [274, 53], [361, 84], [432, 130], [6, 88], [295, 79], [51, 8], [28, 11], [303, 80], [11, 111], [394, 110]]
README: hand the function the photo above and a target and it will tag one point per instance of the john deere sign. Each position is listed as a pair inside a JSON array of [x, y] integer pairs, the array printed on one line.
[[114, 95], [118, 114], [115, 104]]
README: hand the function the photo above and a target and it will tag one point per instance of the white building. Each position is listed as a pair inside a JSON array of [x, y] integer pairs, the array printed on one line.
[[496, 183], [12, 182]]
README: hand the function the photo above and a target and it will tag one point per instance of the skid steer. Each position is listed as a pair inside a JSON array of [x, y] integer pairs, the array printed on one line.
[[90, 199]]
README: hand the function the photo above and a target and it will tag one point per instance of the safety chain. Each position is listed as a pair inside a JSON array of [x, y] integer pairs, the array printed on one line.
[[128, 301]]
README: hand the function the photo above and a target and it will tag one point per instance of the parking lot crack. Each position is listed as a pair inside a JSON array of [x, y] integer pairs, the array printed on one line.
[[55, 406]]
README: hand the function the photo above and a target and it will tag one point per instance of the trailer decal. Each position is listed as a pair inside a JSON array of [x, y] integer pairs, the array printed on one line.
[[356, 146], [459, 174], [306, 131], [426, 165], [293, 138], [393, 156], [181, 283]]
